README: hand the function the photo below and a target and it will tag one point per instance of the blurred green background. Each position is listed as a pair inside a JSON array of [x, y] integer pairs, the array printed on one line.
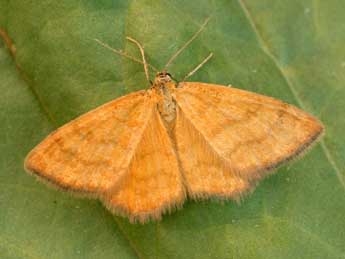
[[51, 70]]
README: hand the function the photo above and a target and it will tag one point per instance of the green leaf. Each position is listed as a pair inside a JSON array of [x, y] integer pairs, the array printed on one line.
[[291, 50]]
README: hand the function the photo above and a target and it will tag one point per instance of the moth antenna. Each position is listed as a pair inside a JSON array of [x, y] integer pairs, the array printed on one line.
[[124, 54], [178, 52], [198, 67], [141, 48]]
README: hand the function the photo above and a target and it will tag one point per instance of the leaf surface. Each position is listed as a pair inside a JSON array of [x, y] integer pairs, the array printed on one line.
[[291, 50]]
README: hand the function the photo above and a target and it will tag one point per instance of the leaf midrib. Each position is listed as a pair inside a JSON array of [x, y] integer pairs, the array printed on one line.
[[294, 92]]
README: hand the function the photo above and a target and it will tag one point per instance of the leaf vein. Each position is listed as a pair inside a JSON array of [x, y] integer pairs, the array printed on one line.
[[294, 92]]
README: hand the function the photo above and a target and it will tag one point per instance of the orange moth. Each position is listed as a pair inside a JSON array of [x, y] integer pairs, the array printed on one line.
[[144, 153]]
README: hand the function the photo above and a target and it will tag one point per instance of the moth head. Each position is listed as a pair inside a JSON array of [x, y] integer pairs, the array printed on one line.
[[162, 78]]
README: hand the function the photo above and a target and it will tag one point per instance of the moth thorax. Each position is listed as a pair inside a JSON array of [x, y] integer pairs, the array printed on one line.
[[167, 105]]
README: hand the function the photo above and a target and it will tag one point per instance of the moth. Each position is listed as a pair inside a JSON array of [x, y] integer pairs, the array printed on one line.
[[144, 153]]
